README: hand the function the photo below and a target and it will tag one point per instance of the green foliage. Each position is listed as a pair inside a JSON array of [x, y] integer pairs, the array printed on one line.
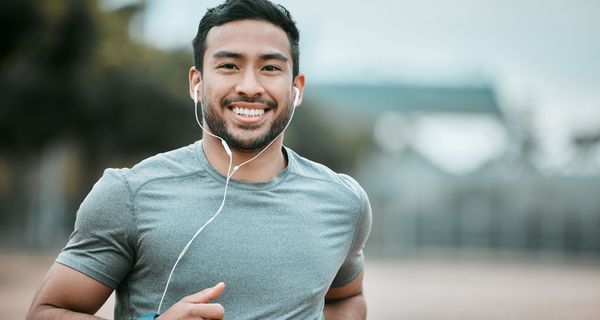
[[72, 72]]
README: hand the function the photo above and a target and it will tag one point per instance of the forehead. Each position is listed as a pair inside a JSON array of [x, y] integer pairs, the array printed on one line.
[[250, 37]]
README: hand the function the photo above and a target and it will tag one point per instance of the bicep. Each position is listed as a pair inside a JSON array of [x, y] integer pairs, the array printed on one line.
[[349, 290], [70, 289]]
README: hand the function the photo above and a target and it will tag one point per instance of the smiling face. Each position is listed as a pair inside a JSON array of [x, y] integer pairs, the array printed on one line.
[[247, 83]]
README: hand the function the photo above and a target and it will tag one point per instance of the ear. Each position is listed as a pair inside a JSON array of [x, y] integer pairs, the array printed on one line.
[[195, 79], [299, 84]]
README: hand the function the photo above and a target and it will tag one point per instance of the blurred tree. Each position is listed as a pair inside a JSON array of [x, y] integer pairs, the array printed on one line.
[[17, 20], [71, 72], [70, 75]]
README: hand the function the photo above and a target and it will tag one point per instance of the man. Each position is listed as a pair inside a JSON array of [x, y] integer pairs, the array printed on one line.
[[281, 239]]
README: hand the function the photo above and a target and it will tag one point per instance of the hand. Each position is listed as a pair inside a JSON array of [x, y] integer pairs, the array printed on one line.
[[197, 306]]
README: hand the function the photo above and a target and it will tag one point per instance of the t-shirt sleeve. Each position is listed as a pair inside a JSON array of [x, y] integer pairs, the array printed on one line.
[[355, 260], [101, 243]]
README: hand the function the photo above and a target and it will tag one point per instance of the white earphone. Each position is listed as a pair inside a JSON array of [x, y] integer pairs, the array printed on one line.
[[296, 96], [230, 173]]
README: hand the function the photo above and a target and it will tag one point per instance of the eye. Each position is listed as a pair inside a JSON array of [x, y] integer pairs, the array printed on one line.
[[271, 68], [228, 66]]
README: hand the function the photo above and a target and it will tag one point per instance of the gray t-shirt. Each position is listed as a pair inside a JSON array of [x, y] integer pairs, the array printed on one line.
[[278, 245]]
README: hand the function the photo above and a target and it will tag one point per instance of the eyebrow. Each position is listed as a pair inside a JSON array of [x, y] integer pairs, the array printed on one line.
[[274, 56], [227, 54], [237, 55]]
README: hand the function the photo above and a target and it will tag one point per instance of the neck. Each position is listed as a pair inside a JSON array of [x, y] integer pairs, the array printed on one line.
[[265, 167]]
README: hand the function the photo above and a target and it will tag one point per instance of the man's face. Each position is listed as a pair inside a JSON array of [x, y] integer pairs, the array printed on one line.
[[247, 83]]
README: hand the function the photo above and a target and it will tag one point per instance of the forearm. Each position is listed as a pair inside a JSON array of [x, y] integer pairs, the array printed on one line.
[[352, 308], [51, 313]]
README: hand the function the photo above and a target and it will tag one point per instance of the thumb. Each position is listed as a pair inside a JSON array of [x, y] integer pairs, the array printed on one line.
[[206, 295]]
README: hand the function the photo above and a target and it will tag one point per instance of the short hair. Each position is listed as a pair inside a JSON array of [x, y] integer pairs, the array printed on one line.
[[233, 10]]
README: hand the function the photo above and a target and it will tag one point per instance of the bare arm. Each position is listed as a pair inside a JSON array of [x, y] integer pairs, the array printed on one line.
[[68, 294], [346, 302]]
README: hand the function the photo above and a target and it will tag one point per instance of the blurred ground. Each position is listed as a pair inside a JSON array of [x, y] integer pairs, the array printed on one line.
[[454, 287]]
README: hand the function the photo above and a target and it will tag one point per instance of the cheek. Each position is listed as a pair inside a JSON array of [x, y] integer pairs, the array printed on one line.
[[278, 90], [213, 94]]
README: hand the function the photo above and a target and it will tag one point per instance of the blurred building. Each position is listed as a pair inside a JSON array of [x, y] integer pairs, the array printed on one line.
[[449, 169]]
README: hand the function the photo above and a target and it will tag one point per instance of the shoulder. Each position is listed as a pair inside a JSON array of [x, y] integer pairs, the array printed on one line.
[[172, 164], [339, 183]]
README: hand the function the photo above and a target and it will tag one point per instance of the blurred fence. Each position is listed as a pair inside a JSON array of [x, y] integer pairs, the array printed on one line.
[[482, 211]]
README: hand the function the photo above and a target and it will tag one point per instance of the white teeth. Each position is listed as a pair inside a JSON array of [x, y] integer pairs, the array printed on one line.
[[248, 112]]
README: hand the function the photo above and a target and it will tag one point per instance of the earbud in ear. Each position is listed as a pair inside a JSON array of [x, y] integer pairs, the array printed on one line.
[[196, 92], [296, 96]]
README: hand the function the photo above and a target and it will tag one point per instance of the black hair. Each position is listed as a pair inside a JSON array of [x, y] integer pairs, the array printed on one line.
[[233, 10]]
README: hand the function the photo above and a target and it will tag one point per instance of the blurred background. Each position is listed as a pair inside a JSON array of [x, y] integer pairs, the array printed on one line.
[[474, 126]]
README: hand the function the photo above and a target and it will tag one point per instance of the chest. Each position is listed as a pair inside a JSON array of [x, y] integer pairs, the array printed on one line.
[[266, 249]]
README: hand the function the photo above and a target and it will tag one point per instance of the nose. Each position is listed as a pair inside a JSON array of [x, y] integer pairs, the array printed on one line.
[[250, 85]]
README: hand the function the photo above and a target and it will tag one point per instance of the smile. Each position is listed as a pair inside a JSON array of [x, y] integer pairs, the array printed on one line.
[[248, 112]]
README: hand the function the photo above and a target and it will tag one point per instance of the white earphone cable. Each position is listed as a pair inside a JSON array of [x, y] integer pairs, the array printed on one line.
[[230, 173], [187, 246]]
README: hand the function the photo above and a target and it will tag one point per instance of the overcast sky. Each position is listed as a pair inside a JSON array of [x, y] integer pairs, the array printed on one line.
[[542, 55]]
